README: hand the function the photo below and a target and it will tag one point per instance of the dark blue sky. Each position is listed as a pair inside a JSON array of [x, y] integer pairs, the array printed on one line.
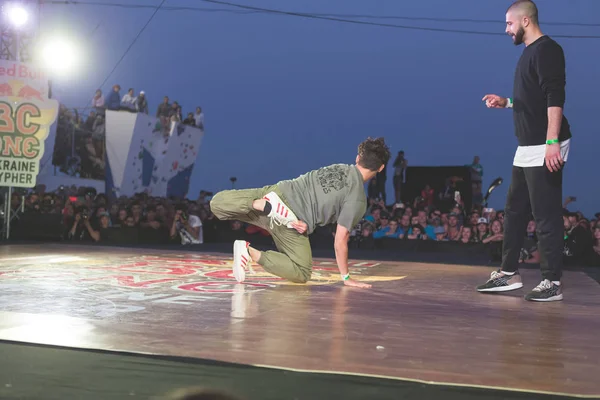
[[283, 95]]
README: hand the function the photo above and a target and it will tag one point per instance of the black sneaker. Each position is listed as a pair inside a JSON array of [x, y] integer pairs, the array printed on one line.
[[545, 291], [499, 282]]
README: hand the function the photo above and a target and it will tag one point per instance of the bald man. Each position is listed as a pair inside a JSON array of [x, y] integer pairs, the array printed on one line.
[[543, 136]]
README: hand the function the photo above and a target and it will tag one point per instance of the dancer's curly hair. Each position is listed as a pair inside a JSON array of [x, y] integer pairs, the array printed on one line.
[[373, 153]]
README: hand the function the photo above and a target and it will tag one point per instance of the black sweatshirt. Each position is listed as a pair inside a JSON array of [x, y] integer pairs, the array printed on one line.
[[540, 80]]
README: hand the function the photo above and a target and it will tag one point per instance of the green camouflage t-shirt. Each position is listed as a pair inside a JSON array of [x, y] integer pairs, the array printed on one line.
[[331, 194]]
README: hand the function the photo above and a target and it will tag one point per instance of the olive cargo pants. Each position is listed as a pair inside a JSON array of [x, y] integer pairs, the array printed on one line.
[[294, 259]]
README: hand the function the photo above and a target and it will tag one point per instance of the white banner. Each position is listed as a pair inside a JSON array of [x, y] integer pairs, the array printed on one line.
[[26, 115], [146, 157]]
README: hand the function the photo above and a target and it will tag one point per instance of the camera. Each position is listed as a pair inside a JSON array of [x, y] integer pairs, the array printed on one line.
[[83, 211], [357, 231]]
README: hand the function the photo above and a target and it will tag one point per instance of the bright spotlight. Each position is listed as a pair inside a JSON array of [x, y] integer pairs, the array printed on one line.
[[17, 14], [59, 56]]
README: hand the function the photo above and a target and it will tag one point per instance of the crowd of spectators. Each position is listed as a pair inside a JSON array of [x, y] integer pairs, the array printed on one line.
[[167, 112], [87, 216], [426, 218], [79, 147], [83, 215]]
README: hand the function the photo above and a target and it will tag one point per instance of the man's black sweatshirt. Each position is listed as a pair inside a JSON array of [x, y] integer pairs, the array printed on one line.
[[540, 80]]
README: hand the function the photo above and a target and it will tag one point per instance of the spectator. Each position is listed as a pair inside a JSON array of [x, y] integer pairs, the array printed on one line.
[[141, 104], [199, 117], [175, 112], [189, 227], [400, 165], [404, 226], [101, 233], [190, 120], [427, 227], [440, 233], [89, 122], [114, 212], [384, 220], [365, 239], [114, 99], [99, 128], [454, 227], [163, 109], [389, 231], [77, 231], [497, 232], [375, 217], [380, 180], [426, 198], [529, 252], [98, 100], [578, 239], [129, 101], [476, 181], [416, 233], [149, 220], [121, 217], [482, 231], [466, 235], [448, 194], [473, 219]]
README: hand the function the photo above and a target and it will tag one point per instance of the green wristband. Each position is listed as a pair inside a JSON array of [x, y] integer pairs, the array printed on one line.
[[346, 277], [552, 141]]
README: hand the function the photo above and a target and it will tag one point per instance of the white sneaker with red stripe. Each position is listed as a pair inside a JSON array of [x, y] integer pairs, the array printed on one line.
[[280, 213], [241, 260]]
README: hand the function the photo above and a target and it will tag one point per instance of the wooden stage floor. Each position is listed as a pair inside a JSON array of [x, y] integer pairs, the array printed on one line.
[[420, 322]]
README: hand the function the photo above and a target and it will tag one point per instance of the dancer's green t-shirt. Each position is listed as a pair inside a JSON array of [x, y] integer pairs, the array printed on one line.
[[332, 194]]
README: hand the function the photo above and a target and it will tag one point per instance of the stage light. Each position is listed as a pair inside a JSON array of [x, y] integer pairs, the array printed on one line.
[[17, 14], [59, 56]]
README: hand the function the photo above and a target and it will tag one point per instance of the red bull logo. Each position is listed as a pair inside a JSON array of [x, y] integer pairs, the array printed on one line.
[[22, 71], [6, 90], [26, 114], [27, 92]]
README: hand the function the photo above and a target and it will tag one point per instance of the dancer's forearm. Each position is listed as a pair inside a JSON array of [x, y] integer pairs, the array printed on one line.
[[342, 235], [341, 256]]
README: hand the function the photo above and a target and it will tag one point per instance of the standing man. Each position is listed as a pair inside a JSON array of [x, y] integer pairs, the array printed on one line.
[[399, 171], [543, 135], [292, 209]]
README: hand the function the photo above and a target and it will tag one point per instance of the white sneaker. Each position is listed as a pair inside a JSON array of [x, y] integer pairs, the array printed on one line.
[[241, 260], [280, 213]]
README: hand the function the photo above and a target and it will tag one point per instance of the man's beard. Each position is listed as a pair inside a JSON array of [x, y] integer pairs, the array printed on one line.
[[518, 37]]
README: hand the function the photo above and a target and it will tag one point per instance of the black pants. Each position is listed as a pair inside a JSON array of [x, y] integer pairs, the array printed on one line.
[[539, 191], [398, 188]]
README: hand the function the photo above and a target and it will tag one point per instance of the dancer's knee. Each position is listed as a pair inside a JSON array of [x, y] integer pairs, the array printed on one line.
[[304, 271], [301, 279], [217, 205]]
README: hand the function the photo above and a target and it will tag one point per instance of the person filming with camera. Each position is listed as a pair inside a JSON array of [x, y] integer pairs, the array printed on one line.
[[86, 231], [188, 226]]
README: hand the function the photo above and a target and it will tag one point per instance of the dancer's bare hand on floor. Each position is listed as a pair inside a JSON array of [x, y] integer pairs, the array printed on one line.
[[353, 283], [300, 226]]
